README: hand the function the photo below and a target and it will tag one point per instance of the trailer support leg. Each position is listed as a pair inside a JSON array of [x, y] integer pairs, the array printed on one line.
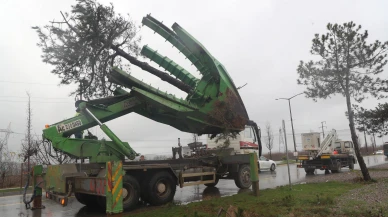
[[114, 188], [37, 190], [254, 173]]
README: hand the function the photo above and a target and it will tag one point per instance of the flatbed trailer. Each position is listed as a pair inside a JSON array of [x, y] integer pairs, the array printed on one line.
[[154, 181]]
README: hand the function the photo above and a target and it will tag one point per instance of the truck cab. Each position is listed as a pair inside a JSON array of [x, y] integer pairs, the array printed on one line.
[[244, 143], [343, 147]]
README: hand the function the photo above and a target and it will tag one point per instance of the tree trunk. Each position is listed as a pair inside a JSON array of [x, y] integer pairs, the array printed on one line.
[[270, 154], [360, 159]]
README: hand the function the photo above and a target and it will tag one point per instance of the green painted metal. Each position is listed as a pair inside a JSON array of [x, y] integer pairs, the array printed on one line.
[[254, 173], [37, 171], [127, 151], [212, 107], [254, 167], [114, 187], [168, 64]]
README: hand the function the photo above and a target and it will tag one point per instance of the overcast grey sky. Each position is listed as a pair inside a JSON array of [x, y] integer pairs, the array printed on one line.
[[259, 43]]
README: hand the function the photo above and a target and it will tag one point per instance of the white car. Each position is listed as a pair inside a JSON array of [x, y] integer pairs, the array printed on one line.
[[266, 164], [379, 152]]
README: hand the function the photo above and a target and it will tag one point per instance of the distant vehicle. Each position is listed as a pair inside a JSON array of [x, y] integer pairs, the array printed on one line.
[[385, 148], [379, 152], [330, 154], [266, 164]]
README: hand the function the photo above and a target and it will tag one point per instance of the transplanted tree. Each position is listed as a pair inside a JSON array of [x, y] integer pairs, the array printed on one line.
[[79, 46], [269, 138], [87, 42], [347, 65]]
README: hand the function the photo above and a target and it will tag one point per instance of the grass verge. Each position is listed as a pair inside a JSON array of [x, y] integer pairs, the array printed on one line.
[[13, 189], [303, 200], [285, 162]]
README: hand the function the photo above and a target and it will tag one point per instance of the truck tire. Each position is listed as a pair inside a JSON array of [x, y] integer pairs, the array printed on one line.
[[131, 195], [309, 171], [337, 168], [215, 182], [160, 188], [144, 191], [87, 199], [351, 164], [242, 178], [273, 167], [131, 192]]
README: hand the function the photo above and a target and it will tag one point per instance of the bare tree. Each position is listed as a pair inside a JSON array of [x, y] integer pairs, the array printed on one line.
[[372, 143], [9, 169], [27, 148], [37, 151], [269, 138], [46, 154], [3, 143], [160, 157]]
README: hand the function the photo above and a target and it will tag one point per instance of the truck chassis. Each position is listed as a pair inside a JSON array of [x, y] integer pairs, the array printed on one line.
[[153, 182], [327, 162]]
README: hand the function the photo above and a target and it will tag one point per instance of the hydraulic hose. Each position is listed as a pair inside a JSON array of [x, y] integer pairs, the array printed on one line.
[[27, 203]]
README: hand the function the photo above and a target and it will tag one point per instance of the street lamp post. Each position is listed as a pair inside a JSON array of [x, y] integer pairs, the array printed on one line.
[[292, 124]]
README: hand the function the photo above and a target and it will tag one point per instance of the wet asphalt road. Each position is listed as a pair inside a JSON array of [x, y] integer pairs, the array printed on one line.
[[11, 206]]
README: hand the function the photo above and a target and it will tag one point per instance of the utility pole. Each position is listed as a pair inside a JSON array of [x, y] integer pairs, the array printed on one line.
[[28, 132], [288, 164], [280, 135], [323, 131], [366, 143], [292, 124]]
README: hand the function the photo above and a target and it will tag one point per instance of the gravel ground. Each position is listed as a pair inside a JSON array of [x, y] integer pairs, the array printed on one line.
[[369, 200]]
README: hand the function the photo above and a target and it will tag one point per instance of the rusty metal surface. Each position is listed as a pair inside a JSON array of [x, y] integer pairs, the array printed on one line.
[[90, 185], [56, 176]]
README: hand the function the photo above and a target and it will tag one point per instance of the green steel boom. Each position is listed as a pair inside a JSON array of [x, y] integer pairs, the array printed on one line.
[[212, 106]]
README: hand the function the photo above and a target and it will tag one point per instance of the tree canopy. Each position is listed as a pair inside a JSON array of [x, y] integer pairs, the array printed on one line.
[[78, 46], [348, 64], [373, 121]]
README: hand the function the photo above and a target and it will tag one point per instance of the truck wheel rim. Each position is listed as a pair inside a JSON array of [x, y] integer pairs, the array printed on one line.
[[162, 188], [128, 191], [245, 177], [125, 193]]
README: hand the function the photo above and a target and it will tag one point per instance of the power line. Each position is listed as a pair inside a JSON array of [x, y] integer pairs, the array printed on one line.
[[34, 101], [23, 97], [21, 82]]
